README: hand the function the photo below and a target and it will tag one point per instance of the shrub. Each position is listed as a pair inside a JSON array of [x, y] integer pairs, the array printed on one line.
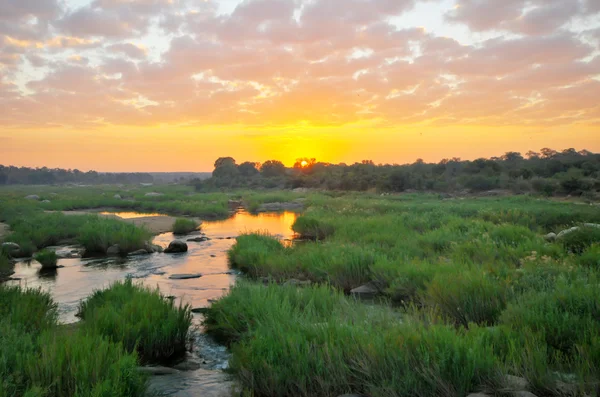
[[140, 318], [467, 297], [579, 240], [184, 226], [47, 258], [311, 228]]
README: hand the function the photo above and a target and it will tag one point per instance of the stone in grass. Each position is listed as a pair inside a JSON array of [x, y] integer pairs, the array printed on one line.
[[114, 250], [176, 246], [367, 291], [10, 247], [184, 276]]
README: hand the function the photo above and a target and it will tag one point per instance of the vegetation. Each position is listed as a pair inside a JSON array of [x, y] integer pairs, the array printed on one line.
[[546, 173], [40, 359], [185, 226], [47, 258], [47, 176], [140, 318], [476, 291], [6, 267]]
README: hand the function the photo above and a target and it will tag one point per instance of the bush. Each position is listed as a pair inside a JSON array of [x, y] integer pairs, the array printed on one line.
[[311, 228], [467, 297], [184, 226], [47, 258], [140, 318], [579, 240]]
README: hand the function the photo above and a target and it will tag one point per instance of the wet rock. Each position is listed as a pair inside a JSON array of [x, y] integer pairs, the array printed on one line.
[[176, 246], [366, 291], [187, 365], [550, 237], [200, 310], [138, 252], [158, 371], [273, 207], [198, 239], [229, 238], [184, 276], [152, 248], [153, 194], [515, 383], [11, 248], [32, 197], [213, 256], [297, 283], [113, 250]]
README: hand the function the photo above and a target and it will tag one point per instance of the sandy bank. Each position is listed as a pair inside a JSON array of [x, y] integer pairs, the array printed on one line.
[[155, 224]]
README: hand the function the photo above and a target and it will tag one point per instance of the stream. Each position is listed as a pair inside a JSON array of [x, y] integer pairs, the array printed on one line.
[[78, 278]]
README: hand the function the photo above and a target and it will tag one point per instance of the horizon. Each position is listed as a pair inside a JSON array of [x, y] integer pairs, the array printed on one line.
[[144, 85]]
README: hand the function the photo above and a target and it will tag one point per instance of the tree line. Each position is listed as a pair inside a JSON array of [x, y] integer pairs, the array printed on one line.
[[10, 175], [547, 172]]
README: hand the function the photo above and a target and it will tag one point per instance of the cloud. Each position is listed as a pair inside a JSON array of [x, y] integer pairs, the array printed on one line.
[[284, 62]]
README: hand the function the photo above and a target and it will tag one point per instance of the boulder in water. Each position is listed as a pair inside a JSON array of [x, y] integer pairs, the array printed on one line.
[[176, 246]]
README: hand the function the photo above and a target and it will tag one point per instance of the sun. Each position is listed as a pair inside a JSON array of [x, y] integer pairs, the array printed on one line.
[[304, 163]]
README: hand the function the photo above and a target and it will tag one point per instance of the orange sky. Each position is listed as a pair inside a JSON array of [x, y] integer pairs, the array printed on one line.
[[170, 85]]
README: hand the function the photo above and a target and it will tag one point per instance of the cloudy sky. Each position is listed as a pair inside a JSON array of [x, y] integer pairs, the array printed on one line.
[[143, 85]]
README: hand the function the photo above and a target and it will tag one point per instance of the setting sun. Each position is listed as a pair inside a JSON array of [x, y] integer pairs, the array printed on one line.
[[304, 163]]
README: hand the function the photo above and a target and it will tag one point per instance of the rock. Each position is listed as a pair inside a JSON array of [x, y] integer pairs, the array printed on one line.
[[113, 250], [10, 248], [187, 365], [200, 310], [367, 291], [297, 283], [566, 389], [176, 246], [32, 197], [523, 394], [152, 248], [45, 201], [158, 371], [550, 237], [198, 239], [515, 383], [566, 231], [300, 190], [153, 194], [117, 197], [138, 252], [184, 276], [213, 256]]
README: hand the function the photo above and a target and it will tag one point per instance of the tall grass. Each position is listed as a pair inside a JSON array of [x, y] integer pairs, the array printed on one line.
[[312, 228], [98, 234], [47, 258], [38, 358], [140, 318], [6, 266], [184, 226]]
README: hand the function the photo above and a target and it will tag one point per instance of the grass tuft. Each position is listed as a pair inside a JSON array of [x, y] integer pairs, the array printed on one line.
[[47, 258], [185, 226]]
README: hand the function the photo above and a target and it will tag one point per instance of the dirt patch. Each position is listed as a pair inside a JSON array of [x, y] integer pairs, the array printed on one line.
[[3, 230], [155, 224]]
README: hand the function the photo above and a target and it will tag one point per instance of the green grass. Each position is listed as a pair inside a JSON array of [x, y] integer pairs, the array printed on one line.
[[312, 228], [39, 358], [140, 318], [184, 226], [47, 258], [6, 266], [98, 234]]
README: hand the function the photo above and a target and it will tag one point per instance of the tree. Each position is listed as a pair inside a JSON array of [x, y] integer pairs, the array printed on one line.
[[248, 169], [272, 168], [548, 153], [225, 168]]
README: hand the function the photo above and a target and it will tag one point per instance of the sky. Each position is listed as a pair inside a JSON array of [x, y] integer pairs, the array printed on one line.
[[171, 85]]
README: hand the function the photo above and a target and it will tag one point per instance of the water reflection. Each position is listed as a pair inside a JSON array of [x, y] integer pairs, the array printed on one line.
[[131, 215], [78, 278]]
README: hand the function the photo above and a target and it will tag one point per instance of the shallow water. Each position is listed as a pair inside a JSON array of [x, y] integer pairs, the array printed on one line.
[[80, 277], [130, 215]]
